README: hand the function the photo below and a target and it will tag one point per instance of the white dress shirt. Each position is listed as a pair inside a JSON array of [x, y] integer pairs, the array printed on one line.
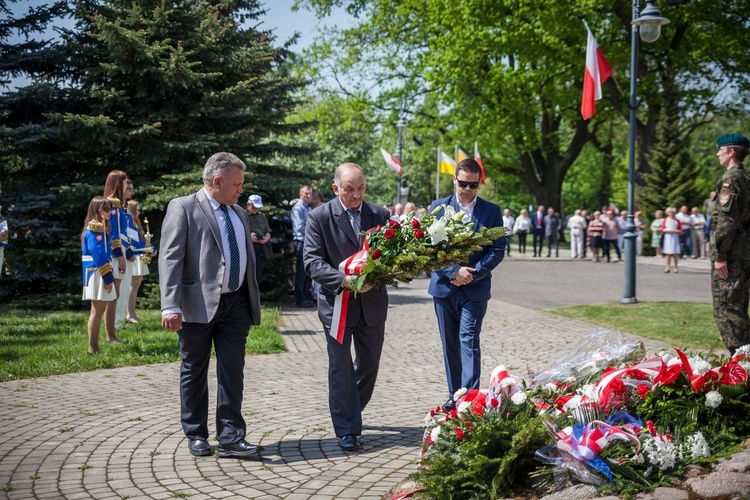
[[239, 232]]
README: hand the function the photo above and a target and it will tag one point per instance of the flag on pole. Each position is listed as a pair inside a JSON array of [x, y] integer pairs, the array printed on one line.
[[392, 162], [460, 154], [446, 164], [597, 71], [478, 159]]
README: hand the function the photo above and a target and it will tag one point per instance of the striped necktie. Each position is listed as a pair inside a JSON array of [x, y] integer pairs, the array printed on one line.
[[356, 223], [234, 252]]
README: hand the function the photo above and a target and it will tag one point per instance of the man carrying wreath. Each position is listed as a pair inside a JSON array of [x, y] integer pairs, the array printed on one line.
[[332, 236], [460, 292]]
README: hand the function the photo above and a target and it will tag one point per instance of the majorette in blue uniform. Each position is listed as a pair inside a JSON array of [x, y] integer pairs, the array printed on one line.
[[118, 219], [139, 246], [96, 263]]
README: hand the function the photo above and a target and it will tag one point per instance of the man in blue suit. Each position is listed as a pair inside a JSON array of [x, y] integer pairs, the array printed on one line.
[[537, 229], [461, 292]]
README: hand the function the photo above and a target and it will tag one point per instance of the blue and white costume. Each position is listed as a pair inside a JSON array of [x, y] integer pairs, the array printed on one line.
[[96, 263], [118, 220]]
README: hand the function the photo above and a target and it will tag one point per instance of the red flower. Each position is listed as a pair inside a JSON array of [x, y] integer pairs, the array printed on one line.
[[618, 387], [394, 224], [668, 436], [453, 413], [376, 254], [419, 234], [471, 429], [670, 375], [415, 224], [389, 234], [494, 402], [467, 423], [732, 373], [432, 413], [637, 374], [643, 389], [459, 433], [651, 427]]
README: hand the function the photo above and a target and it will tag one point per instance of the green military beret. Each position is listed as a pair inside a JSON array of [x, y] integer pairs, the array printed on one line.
[[733, 140]]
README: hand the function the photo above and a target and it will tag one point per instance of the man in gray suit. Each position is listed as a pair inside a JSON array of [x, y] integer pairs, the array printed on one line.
[[332, 236], [209, 295]]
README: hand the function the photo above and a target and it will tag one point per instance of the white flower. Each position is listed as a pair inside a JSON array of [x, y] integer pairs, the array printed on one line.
[[434, 434], [713, 399], [698, 447], [460, 393], [699, 365], [659, 452], [518, 398], [466, 405], [550, 387], [745, 365], [745, 349], [450, 212], [438, 230]]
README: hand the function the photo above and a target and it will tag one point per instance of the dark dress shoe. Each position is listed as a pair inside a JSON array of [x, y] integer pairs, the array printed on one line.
[[449, 405], [240, 449], [199, 447], [350, 443]]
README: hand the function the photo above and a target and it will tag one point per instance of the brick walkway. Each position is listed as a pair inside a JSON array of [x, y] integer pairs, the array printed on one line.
[[116, 433]]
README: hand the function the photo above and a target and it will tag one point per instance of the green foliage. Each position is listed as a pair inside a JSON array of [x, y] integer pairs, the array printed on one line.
[[38, 343], [487, 462]]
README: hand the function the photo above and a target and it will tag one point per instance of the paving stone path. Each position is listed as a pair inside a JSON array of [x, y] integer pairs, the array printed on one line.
[[115, 433]]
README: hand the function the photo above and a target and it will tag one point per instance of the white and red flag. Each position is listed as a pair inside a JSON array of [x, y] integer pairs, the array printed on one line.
[[478, 159], [391, 161], [597, 71]]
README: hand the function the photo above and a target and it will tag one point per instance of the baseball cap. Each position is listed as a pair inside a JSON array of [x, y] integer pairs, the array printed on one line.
[[256, 200]]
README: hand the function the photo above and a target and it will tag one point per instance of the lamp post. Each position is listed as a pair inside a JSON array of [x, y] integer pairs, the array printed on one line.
[[401, 126], [647, 24]]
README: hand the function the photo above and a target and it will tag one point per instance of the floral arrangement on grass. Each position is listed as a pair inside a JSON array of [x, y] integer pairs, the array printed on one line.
[[408, 246], [629, 427]]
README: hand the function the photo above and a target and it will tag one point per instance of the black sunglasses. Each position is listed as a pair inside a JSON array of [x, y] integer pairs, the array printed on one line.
[[466, 184]]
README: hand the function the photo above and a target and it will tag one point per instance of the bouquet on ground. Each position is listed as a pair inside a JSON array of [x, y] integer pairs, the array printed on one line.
[[407, 246], [630, 426]]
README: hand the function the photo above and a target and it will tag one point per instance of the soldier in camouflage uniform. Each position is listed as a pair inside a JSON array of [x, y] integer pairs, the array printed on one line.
[[730, 244]]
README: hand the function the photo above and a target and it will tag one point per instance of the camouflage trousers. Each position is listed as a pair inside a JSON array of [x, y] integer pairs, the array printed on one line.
[[731, 297]]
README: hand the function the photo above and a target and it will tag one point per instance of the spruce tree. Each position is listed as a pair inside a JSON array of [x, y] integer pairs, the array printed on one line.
[[153, 88], [670, 182]]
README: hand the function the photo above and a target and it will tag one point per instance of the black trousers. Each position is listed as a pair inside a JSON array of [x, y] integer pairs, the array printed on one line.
[[227, 332], [521, 241], [351, 383], [538, 240]]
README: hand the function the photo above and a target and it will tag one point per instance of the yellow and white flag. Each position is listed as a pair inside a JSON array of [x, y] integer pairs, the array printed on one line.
[[446, 164]]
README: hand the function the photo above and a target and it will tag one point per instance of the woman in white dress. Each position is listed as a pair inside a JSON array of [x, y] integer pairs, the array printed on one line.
[[96, 255], [521, 228], [671, 228]]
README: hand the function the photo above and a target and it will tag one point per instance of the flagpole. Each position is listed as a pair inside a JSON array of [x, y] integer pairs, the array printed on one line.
[[437, 177]]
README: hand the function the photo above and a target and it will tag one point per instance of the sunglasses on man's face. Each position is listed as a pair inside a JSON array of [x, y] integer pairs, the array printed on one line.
[[466, 184]]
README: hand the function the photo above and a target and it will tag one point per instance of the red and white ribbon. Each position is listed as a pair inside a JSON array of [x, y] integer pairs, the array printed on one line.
[[596, 435], [353, 265], [652, 367]]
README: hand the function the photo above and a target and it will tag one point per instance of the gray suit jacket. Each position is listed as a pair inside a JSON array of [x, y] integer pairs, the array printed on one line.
[[329, 240], [192, 263]]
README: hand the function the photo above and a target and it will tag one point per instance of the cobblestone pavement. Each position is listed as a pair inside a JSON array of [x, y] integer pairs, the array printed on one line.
[[116, 433]]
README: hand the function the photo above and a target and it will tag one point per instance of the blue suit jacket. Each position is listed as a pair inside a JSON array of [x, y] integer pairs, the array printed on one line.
[[485, 214], [534, 223]]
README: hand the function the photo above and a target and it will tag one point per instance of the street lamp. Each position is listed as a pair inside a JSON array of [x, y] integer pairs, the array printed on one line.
[[647, 24], [401, 126]]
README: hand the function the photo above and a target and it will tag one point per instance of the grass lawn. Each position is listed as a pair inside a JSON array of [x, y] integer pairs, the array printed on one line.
[[35, 343], [681, 324]]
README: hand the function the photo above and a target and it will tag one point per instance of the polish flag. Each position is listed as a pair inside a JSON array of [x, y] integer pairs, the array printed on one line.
[[392, 162], [478, 159], [597, 72]]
